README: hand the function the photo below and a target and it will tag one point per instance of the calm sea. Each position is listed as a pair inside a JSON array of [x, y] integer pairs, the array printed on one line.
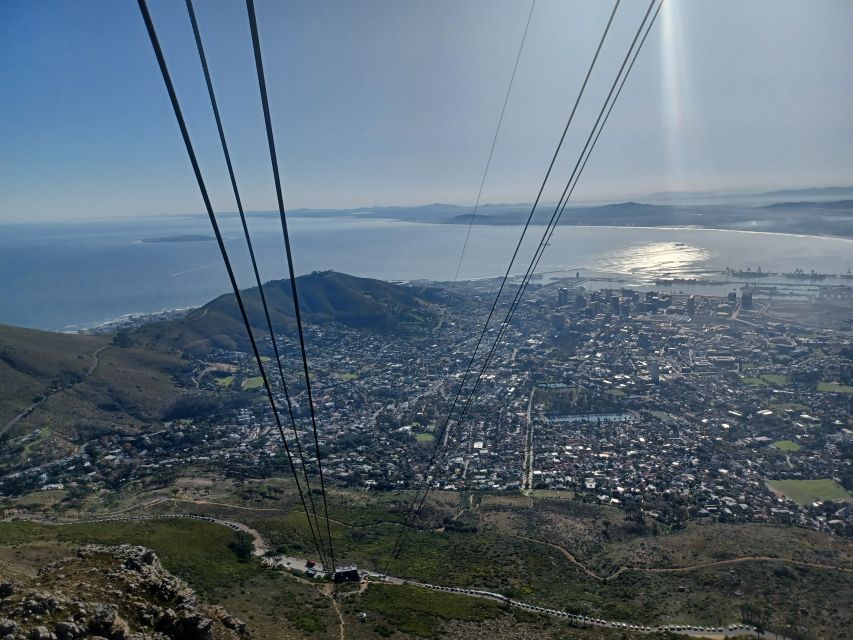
[[67, 276]]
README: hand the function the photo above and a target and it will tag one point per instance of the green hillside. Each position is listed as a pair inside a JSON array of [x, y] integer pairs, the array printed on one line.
[[325, 297], [32, 363], [61, 390]]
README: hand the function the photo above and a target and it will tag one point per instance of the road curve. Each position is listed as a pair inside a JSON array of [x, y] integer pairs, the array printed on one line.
[[261, 549], [95, 362]]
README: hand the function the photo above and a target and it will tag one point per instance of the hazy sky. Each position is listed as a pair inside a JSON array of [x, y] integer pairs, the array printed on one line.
[[395, 101]]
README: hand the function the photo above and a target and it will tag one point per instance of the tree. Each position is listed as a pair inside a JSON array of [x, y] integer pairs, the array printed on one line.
[[242, 547]]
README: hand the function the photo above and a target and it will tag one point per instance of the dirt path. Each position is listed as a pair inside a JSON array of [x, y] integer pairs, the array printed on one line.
[[568, 556], [694, 567], [330, 593]]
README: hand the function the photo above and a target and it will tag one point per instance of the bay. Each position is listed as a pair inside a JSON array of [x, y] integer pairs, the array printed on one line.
[[66, 276]]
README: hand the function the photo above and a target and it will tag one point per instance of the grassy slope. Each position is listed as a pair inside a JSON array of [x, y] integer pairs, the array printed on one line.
[[274, 604], [195, 551], [136, 381], [127, 390], [31, 362]]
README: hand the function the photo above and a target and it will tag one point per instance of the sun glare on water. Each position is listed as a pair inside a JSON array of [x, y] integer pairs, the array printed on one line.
[[650, 260]]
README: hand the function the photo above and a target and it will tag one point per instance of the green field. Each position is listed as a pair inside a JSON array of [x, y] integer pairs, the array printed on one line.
[[766, 379], [553, 493], [804, 492], [348, 377], [786, 445], [253, 383], [225, 382], [834, 387], [424, 437]]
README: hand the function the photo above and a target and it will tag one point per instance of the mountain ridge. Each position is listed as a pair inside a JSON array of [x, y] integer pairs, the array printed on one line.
[[325, 297]]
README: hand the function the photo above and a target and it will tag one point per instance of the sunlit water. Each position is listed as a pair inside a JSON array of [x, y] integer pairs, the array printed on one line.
[[649, 260], [64, 276]]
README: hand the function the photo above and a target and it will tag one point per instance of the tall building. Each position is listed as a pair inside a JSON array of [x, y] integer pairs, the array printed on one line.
[[746, 300], [563, 296]]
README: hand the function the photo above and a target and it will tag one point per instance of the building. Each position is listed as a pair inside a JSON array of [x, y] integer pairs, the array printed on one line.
[[347, 574]]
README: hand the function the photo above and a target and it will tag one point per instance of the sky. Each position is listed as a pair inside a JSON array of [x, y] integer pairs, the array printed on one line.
[[390, 102]]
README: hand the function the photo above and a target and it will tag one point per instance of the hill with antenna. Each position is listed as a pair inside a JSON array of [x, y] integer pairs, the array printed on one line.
[[325, 297]]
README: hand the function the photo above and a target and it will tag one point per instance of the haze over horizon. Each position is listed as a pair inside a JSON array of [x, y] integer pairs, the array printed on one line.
[[395, 104]]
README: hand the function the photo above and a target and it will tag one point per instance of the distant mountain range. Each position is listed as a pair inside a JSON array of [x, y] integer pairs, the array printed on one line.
[[832, 218], [812, 212], [829, 192], [750, 196]]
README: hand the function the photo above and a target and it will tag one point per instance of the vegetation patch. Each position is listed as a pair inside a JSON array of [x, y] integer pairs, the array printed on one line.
[[198, 552], [834, 387], [253, 383], [804, 492], [786, 445], [420, 611]]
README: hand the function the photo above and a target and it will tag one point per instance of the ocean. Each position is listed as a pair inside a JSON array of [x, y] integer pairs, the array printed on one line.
[[67, 276]]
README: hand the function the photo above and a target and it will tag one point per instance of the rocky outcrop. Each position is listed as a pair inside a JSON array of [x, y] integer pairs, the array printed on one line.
[[111, 593]]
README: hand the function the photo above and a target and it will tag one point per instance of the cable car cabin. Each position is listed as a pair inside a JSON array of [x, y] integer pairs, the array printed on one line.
[[347, 574]]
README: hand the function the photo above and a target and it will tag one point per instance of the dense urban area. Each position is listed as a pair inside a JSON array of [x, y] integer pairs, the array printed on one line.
[[678, 406]]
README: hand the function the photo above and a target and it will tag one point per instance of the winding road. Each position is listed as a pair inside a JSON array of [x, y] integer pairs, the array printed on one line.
[[95, 362], [261, 550]]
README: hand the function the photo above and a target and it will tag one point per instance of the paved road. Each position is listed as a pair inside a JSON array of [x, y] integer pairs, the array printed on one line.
[[95, 361], [527, 465]]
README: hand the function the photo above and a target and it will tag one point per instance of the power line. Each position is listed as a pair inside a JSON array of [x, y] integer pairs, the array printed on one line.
[[425, 481], [585, 154], [489, 160], [573, 179], [597, 135], [167, 79], [238, 199], [262, 85]]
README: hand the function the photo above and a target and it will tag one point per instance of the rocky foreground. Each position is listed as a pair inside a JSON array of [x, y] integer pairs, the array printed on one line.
[[110, 593]]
